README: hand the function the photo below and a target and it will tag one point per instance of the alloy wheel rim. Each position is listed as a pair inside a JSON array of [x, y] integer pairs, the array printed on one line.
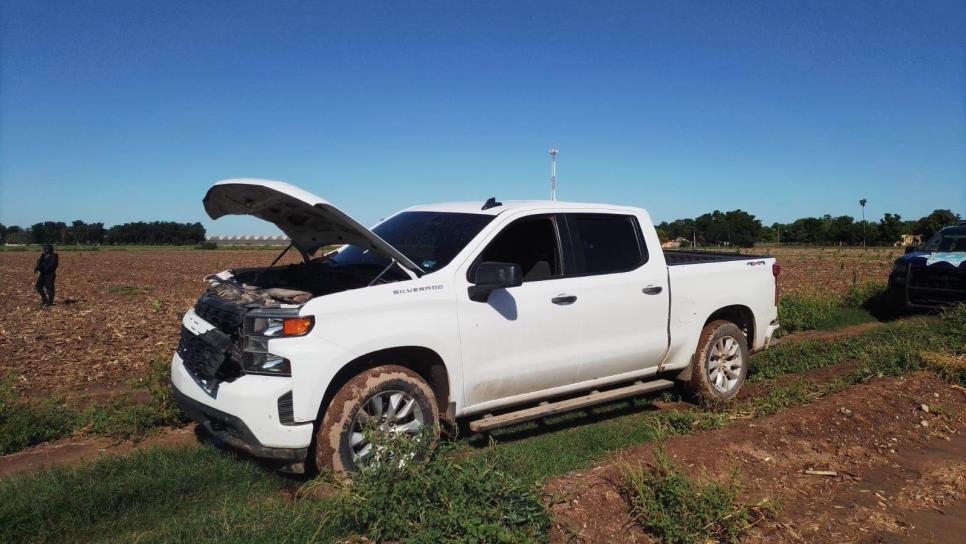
[[725, 364], [391, 412]]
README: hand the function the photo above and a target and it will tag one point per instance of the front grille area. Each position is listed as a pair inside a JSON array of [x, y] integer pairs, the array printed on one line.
[[212, 357], [203, 354], [936, 285], [227, 316]]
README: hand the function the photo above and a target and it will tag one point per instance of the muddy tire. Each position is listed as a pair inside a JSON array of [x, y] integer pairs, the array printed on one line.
[[720, 365], [393, 397]]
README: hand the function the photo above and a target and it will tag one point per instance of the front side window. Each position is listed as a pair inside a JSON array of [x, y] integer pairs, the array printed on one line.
[[530, 242], [606, 244]]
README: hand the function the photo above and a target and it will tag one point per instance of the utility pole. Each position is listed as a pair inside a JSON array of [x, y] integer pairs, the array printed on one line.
[[553, 173]]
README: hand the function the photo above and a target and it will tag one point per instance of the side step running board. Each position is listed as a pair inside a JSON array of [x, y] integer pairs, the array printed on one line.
[[548, 409]]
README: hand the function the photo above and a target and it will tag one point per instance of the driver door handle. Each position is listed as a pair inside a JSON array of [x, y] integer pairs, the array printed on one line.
[[564, 300], [652, 289]]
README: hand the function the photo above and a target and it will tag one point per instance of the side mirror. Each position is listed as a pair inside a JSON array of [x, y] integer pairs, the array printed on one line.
[[911, 249], [490, 276]]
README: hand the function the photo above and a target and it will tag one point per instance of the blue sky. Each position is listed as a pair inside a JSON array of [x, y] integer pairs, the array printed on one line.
[[119, 111]]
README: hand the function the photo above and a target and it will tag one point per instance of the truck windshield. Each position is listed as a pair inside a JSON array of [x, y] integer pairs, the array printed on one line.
[[948, 239], [429, 239]]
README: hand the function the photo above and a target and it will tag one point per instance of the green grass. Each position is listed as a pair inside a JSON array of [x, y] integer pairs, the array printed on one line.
[[172, 491], [487, 494], [203, 495], [123, 290], [675, 508], [448, 499], [24, 424], [862, 304]]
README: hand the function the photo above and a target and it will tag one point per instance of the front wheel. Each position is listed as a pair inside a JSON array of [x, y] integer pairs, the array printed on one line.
[[391, 401], [720, 366]]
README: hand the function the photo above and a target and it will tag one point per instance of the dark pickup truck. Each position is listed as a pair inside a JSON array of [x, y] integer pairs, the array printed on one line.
[[934, 275]]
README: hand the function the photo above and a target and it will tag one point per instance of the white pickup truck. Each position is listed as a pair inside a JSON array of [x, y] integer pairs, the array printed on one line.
[[499, 312]]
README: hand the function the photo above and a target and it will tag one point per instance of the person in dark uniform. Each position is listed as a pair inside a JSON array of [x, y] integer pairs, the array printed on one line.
[[47, 267]]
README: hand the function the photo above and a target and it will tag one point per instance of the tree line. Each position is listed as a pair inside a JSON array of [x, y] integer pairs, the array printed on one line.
[[738, 228], [81, 233]]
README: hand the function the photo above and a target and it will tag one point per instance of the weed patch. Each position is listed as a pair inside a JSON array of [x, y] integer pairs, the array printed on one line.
[[124, 418], [201, 494], [395, 501], [861, 304], [676, 509], [799, 313], [122, 498], [123, 290], [25, 424]]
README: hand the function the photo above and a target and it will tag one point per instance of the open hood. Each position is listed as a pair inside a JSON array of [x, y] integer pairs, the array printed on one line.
[[309, 221]]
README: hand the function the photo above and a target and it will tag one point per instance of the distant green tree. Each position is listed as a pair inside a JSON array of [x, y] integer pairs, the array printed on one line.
[[768, 234], [805, 230], [156, 233], [3, 233], [48, 232], [680, 228], [743, 228], [734, 228], [841, 230], [17, 235], [890, 229], [80, 232]]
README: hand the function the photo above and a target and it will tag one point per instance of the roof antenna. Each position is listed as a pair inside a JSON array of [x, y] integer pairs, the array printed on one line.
[[553, 172], [491, 203]]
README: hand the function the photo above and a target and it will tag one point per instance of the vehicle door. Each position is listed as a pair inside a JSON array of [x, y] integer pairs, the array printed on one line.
[[523, 339], [622, 295]]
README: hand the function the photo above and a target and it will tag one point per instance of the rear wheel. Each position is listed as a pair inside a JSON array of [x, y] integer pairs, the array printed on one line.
[[720, 366], [392, 401]]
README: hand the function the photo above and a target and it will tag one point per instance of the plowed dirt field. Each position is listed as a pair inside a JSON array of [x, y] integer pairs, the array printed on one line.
[[114, 312]]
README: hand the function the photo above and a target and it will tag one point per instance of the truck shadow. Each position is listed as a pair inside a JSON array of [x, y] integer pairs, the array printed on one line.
[[886, 305], [293, 473]]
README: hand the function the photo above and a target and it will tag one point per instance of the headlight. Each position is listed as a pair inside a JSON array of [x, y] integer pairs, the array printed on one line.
[[265, 363], [261, 326], [279, 326]]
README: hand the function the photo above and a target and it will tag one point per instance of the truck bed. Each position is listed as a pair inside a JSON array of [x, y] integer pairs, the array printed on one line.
[[675, 257]]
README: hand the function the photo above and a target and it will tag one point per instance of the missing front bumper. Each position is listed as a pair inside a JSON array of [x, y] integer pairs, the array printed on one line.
[[232, 431]]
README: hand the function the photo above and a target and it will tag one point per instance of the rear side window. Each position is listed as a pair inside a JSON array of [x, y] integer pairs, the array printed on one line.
[[605, 244]]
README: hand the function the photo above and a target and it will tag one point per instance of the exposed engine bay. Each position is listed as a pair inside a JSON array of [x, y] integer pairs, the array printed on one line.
[[296, 283]]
